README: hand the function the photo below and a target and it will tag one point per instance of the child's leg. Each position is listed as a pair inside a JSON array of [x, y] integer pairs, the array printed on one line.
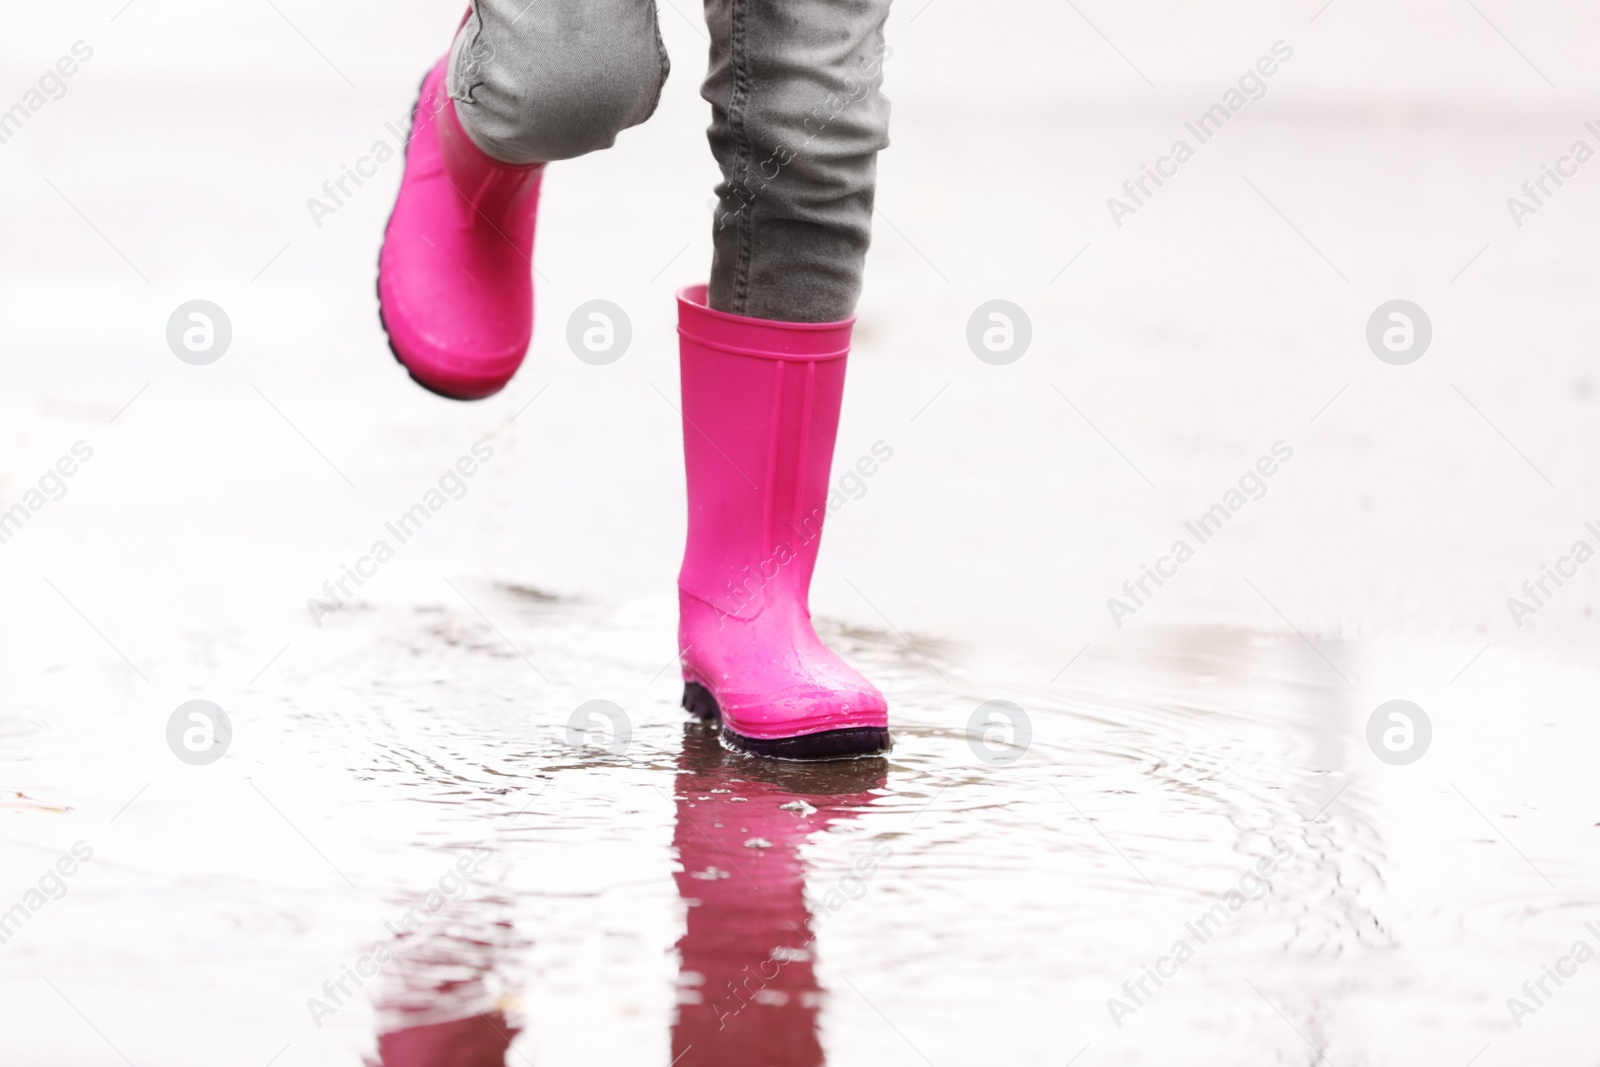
[[526, 82], [541, 80], [797, 122]]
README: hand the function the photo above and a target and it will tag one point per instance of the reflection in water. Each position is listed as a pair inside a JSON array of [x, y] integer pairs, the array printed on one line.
[[477, 1041], [1195, 752], [440, 1003], [1018, 902], [747, 984]]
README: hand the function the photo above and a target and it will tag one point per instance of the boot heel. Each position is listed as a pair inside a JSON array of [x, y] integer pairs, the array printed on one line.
[[698, 701]]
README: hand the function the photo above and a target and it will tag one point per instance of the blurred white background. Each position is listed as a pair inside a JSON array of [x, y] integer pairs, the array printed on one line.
[[1222, 317]]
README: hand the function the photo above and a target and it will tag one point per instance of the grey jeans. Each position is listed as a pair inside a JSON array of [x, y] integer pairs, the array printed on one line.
[[797, 120]]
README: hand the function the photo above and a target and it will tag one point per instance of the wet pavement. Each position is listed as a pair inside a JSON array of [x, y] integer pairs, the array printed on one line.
[[407, 855]]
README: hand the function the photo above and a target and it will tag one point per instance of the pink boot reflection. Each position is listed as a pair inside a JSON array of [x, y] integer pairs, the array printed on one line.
[[442, 1001], [747, 986], [475, 1041]]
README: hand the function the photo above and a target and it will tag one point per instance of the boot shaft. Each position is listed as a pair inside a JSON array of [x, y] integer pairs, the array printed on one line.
[[761, 410], [504, 194]]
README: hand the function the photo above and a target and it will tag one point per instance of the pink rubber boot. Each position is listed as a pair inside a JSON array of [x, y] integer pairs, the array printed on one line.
[[455, 285], [760, 411]]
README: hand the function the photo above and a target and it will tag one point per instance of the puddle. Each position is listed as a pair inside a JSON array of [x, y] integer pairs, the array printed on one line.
[[406, 859]]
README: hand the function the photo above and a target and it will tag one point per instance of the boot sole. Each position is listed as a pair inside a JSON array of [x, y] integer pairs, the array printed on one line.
[[849, 743]]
